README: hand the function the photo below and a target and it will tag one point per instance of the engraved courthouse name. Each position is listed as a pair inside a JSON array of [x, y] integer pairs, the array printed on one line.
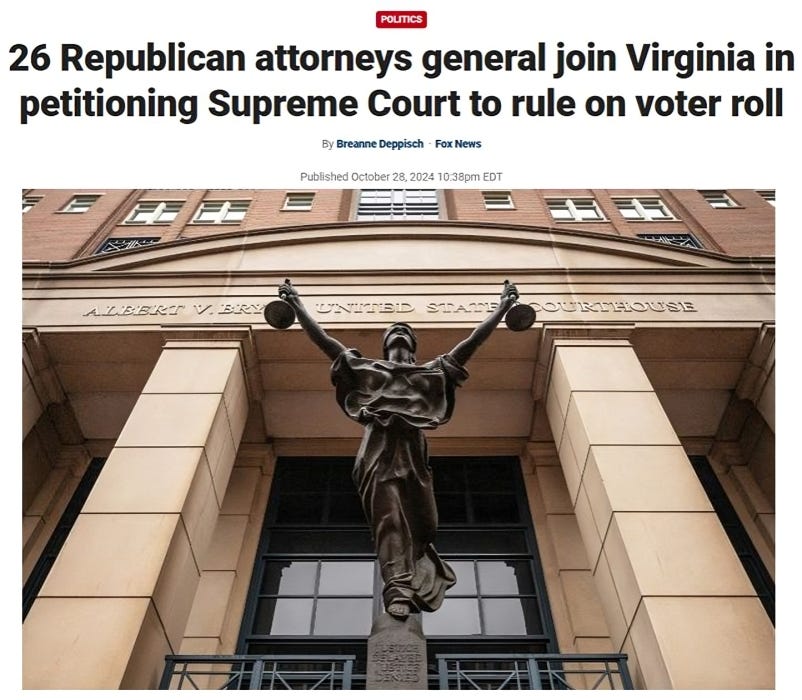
[[358, 308], [472, 307], [174, 309]]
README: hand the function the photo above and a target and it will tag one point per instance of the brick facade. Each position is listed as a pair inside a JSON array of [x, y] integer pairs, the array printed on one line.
[[49, 233]]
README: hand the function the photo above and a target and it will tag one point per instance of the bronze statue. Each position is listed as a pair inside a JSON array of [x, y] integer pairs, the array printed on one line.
[[395, 400]]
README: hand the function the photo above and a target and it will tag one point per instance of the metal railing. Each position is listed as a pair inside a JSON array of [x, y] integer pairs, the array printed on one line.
[[306, 672], [454, 672], [533, 672]]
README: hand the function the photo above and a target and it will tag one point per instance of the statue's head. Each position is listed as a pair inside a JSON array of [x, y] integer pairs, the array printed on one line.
[[396, 331]]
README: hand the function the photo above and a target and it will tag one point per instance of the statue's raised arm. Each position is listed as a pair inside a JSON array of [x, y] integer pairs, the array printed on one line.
[[465, 349], [396, 401], [331, 346]]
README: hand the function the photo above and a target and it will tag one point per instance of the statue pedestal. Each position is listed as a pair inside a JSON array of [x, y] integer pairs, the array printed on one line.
[[397, 654]]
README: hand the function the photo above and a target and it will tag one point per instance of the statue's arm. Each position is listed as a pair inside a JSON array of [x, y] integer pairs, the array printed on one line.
[[330, 346], [465, 349]]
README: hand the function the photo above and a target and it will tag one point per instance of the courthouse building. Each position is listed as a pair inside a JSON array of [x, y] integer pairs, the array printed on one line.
[[605, 485]]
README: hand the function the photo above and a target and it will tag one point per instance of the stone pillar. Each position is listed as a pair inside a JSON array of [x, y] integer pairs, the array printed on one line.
[[119, 595], [674, 593]]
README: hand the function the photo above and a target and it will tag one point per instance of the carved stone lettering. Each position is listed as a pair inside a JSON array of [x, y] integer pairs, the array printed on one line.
[[365, 309], [396, 654]]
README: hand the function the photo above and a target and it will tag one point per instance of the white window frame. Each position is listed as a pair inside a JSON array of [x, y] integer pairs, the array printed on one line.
[[574, 206], [497, 199], [768, 195], [79, 204], [223, 210], [159, 214], [298, 201], [719, 199], [29, 202], [398, 205], [643, 207]]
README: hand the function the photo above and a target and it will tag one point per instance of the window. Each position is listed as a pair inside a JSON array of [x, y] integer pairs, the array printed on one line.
[[29, 203], [718, 199], [498, 200], [154, 212], [484, 537], [114, 245], [80, 203], [48, 557], [298, 201], [643, 208], [221, 212], [741, 542], [397, 205], [684, 240], [768, 195], [316, 588], [580, 209]]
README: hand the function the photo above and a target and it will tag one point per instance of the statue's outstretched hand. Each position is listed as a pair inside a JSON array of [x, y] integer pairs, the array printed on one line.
[[510, 293], [287, 292]]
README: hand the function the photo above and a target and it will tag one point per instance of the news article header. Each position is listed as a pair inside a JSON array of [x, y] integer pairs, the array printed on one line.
[[540, 68], [405, 93], [243, 93]]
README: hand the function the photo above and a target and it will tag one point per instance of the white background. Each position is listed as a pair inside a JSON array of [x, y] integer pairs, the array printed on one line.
[[674, 152]]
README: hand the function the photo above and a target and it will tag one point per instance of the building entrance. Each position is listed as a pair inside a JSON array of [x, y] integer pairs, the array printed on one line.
[[316, 588]]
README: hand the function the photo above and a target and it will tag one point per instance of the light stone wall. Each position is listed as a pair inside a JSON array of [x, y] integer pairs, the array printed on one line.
[[576, 608], [745, 470], [119, 595], [675, 596], [40, 517], [218, 607]]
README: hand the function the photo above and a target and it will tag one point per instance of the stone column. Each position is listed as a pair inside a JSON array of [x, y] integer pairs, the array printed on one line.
[[674, 593], [119, 595]]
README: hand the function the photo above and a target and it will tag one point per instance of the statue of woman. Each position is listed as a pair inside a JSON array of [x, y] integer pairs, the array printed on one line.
[[396, 399]]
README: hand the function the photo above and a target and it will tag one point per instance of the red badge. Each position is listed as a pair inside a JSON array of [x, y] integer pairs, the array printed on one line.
[[401, 19]]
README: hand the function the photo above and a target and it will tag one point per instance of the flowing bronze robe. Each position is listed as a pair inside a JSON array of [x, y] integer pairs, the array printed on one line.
[[396, 402]]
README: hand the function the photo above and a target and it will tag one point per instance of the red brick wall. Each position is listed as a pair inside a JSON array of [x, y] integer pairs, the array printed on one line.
[[49, 234]]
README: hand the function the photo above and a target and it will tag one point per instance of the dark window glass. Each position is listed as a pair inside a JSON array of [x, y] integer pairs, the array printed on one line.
[[346, 578], [345, 508], [289, 578], [511, 616], [344, 616], [486, 541], [299, 508], [448, 478], [456, 617], [451, 507], [490, 477], [466, 578], [741, 542], [341, 480], [314, 541], [495, 508], [280, 616], [501, 577], [317, 578], [302, 480]]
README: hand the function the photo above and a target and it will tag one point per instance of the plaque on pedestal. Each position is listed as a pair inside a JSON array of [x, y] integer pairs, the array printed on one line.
[[397, 654]]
